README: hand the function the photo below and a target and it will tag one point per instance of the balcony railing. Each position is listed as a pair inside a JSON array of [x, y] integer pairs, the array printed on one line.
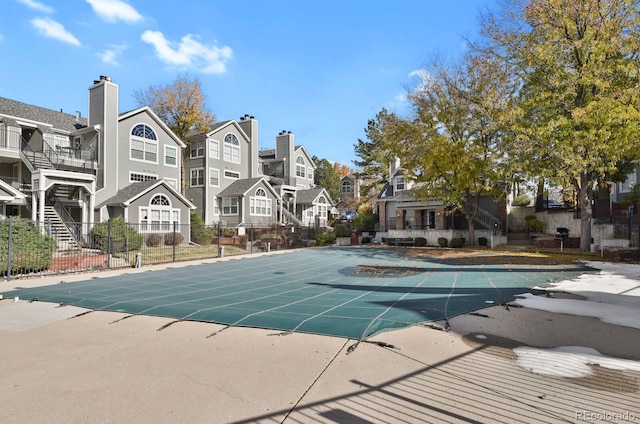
[[62, 158], [10, 139]]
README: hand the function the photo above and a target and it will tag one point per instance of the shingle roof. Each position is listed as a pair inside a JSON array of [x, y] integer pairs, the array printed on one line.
[[128, 193], [308, 196], [239, 187], [59, 120], [267, 154]]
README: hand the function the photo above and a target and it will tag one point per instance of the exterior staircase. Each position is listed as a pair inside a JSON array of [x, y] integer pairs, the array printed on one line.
[[292, 218], [487, 220], [56, 228]]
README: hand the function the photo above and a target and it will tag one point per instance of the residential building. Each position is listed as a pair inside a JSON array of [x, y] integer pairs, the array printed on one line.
[[400, 209], [64, 168], [349, 194], [232, 181]]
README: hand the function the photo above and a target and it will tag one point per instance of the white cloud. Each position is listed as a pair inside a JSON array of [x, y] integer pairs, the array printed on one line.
[[52, 29], [189, 52], [115, 10], [36, 5], [109, 55]]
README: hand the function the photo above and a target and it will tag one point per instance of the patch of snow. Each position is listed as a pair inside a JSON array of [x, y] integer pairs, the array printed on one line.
[[569, 361], [612, 295]]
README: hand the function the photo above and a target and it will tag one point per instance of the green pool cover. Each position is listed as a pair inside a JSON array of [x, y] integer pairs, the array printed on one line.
[[346, 292]]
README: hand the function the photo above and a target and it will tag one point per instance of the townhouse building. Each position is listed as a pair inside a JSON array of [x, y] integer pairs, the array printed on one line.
[[234, 182], [63, 169]]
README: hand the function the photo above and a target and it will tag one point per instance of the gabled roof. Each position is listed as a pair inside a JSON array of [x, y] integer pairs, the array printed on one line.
[[302, 149], [242, 187], [59, 120], [219, 126], [133, 191], [309, 196], [155, 117]]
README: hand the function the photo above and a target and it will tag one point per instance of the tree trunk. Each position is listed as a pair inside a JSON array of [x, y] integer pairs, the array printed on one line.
[[472, 236], [586, 212]]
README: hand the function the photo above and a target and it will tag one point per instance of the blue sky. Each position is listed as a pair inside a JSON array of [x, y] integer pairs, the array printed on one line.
[[320, 69]]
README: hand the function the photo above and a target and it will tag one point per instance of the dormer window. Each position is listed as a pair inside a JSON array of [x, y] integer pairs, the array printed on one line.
[[400, 184], [144, 144], [231, 148]]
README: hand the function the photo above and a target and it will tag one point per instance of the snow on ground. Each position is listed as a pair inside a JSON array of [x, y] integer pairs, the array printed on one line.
[[611, 295], [569, 361]]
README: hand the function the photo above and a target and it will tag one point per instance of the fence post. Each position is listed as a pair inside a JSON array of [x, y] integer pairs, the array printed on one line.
[[109, 243], [219, 234], [175, 224], [251, 240], [126, 240], [9, 248]]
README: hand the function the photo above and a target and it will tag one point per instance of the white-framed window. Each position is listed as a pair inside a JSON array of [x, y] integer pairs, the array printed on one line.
[[159, 216], [216, 207], [214, 148], [214, 177], [260, 204], [346, 186], [322, 207], [300, 167], [197, 149], [197, 177], [231, 148], [230, 206], [310, 174], [173, 183], [400, 184], [144, 144], [170, 156], [136, 177], [233, 175]]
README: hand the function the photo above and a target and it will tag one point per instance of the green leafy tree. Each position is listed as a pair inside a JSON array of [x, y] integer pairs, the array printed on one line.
[[327, 177], [576, 118], [181, 105], [452, 148]]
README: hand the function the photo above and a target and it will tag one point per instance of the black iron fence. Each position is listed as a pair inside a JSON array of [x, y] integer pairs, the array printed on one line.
[[28, 248]]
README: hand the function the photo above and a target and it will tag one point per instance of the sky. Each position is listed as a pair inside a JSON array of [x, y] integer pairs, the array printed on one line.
[[320, 69]]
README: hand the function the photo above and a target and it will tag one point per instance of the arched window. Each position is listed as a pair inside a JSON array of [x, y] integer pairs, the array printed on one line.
[[301, 169], [346, 186], [260, 204], [159, 216], [322, 207], [160, 200], [144, 143], [231, 148]]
